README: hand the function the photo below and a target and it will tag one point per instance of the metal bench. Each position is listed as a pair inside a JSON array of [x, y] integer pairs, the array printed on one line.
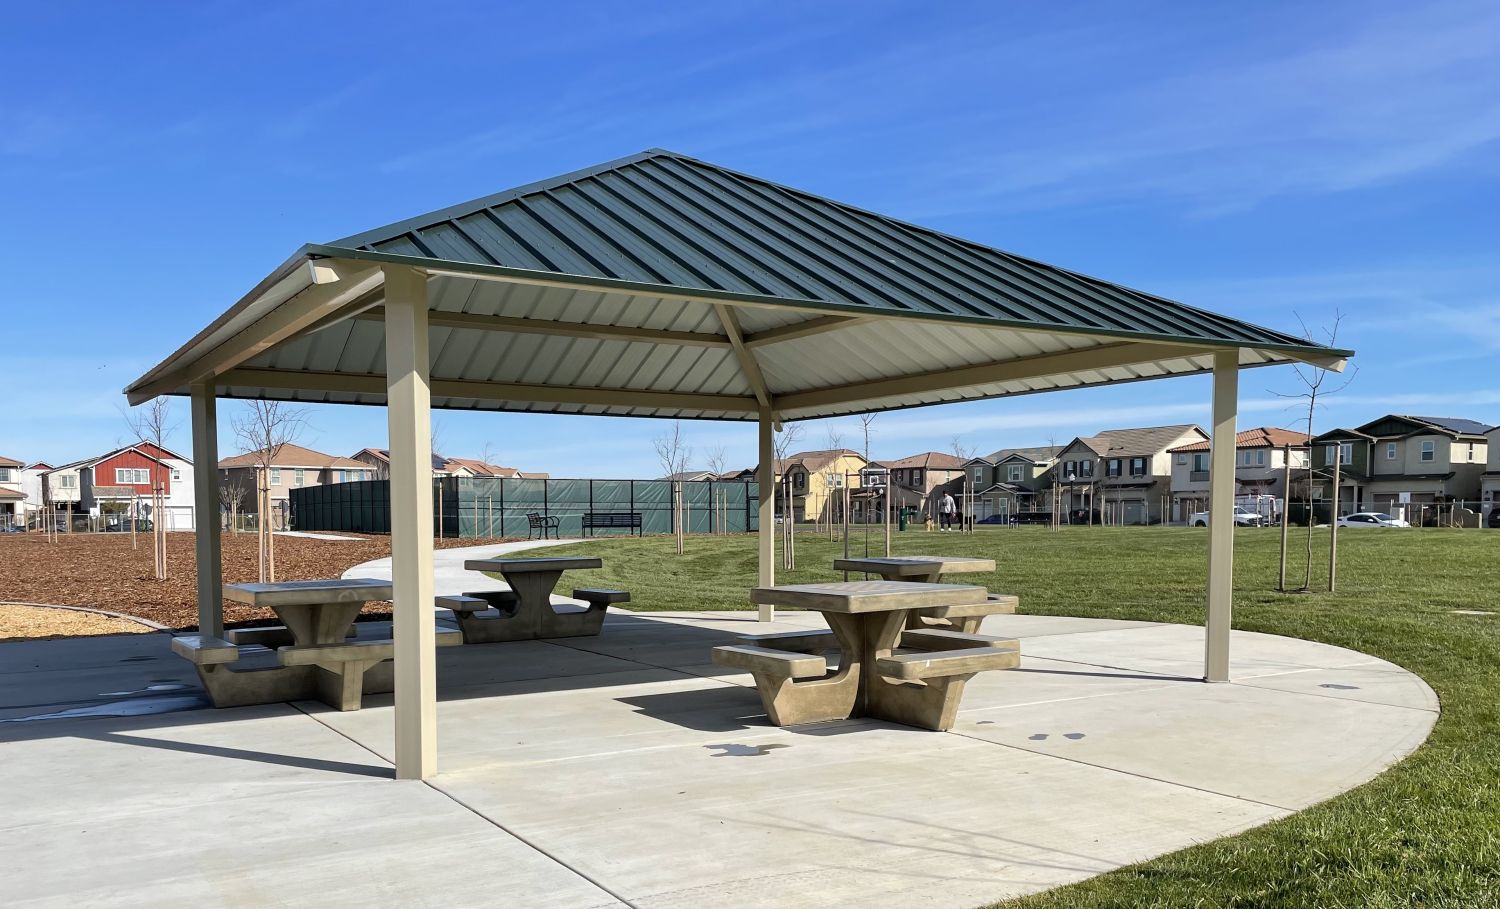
[[543, 524], [612, 520]]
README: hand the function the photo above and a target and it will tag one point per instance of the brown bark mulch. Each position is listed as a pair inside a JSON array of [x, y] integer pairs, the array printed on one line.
[[103, 571]]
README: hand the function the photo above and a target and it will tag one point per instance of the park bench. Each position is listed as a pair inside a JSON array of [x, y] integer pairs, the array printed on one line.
[[608, 520], [342, 683], [967, 618], [542, 524]]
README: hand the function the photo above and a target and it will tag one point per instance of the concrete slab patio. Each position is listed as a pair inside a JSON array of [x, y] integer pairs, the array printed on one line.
[[627, 770]]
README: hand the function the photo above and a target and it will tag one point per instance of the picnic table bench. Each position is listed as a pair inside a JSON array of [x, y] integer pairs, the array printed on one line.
[[525, 611], [931, 570], [319, 656], [608, 520], [914, 676]]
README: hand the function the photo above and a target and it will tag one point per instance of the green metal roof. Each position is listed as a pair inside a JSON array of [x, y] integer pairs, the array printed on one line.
[[660, 285], [666, 219]]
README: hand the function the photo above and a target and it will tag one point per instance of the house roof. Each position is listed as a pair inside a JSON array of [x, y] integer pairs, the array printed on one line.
[[1453, 426], [814, 461], [485, 469], [644, 286], [930, 460], [10, 462], [293, 456], [1142, 441], [1037, 454], [91, 461], [383, 455], [1260, 437], [39, 465], [690, 476], [11, 494]]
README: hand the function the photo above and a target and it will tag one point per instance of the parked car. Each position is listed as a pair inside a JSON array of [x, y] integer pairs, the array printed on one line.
[[1495, 517], [1371, 519], [1243, 517], [12, 528]]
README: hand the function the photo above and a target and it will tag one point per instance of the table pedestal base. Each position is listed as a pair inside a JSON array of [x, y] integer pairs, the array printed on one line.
[[229, 687], [526, 613]]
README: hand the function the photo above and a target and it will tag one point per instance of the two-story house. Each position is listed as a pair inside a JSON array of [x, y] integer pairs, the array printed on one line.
[[811, 481], [1008, 481], [1399, 460], [921, 480], [378, 460], [1124, 476], [123, 483], [12, 494], [1260, 463], [1490, 482], [292, 467], [31, 487]]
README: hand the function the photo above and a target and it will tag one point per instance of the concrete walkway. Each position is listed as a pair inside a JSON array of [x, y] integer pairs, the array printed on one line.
[[451, 577], [625, 770]]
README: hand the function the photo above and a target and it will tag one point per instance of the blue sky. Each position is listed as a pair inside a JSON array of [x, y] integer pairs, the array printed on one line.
[[1273, 161]]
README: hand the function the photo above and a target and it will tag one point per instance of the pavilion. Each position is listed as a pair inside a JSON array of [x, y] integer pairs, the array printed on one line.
[[659, 285]]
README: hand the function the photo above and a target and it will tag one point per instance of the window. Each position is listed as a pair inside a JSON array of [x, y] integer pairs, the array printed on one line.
[[300, 476], [1182, 460], [916, 478], [1086, 467], [1346, 452], [1070, 469], [275, 476], [1471, 452], [1138, 467], [5, 475], [978, 475], [1112, 467], [1260, 457], [176, 475], [1390, 451], [68, 481], [1014, 473], [1200, 462], [131, 476], [1429, 450]]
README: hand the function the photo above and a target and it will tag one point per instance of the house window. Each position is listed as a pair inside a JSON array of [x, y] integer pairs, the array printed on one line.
[[1014, 473], [176, 475], [1429, 450], [1112, 467], [1182, 460], [1138, 467], [1390, 451], [1086, 467], [1471, 452], [916, 478], [1200, 461], [299, 477], [1260, 457], [131, 476], [68, 481], [978, 475], [1070, 469], [5, 475], [275, 476]]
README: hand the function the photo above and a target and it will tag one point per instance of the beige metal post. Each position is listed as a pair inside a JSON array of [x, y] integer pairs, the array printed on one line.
[[206, 544], [408, 408], [1333, 520], [766, 539], [1221, 516]]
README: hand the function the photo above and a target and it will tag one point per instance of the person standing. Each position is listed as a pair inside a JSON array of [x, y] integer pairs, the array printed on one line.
[[946, 509]]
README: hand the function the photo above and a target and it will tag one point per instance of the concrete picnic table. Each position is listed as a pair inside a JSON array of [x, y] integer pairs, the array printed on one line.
[[525, 612], [315, 648], [920, 685], [930, 569]]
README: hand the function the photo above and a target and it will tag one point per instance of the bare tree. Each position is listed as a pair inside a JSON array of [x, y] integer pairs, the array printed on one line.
[[263, 430], [717, 459], [1312, 380], [782, 444], [965, 453], [673, 453], [232, 499], [150, 424], [865, 420]]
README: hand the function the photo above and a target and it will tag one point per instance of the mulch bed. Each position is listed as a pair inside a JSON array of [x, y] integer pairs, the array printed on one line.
[[103, 571]]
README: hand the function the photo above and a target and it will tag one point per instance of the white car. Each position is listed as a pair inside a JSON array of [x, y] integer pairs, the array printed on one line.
[[1243, 517], [1371, 519]]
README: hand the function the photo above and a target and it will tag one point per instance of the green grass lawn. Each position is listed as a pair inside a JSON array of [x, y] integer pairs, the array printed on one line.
[[1425, 833]]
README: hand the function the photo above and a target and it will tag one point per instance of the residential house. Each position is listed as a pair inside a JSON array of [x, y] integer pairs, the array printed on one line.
[[31, 486], [1260, 463], [1399, 460], [378, 460], [12, 492], [1490, 483], [292, 467], [811, 479], [123, 483], [1008, 481], [918, 481], [1119, 476], [691, 476]]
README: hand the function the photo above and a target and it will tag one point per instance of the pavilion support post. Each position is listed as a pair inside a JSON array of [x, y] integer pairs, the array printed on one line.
[[207, 543], [409, 410], [1221, 516], [766, 539]]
